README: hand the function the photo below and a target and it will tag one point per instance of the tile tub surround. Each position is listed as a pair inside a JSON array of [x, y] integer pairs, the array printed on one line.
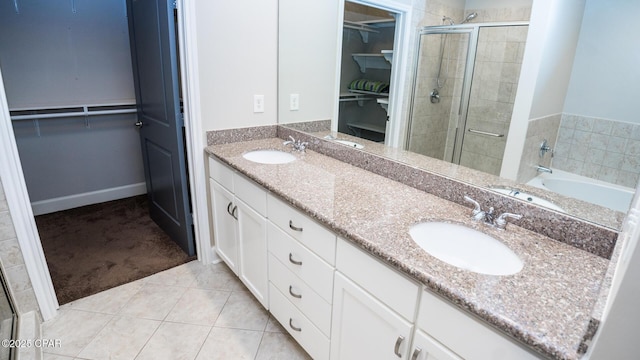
[[547, 306], [443, 180]]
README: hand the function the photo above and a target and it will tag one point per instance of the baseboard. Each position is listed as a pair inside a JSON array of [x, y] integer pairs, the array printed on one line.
[[29, 330], [88, 198]]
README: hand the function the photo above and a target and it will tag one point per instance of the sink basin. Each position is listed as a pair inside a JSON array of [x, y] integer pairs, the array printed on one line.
[[350, 143], [529, 197], [466, 248], [269, 156]]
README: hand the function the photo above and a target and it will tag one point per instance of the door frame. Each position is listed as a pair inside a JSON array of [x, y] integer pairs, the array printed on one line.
[[398, 81], [16, 190]]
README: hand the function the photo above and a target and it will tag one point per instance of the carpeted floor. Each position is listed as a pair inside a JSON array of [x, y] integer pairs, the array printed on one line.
[[93, 248]]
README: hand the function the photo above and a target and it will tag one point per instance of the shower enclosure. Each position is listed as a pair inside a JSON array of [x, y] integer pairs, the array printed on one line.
[[466, 77]]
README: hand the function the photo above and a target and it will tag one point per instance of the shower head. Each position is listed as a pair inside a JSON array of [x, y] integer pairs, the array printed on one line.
[[469, 17], [450, 20]]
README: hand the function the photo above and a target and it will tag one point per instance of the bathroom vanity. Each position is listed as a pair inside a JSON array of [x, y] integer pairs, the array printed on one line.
[[325, 247]]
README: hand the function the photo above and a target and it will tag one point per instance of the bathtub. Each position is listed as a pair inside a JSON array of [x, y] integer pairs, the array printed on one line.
[[597, 192]]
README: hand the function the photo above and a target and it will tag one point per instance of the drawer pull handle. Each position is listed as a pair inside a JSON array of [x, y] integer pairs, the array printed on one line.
[[293, 327], [229, 208], [234, 212], [297, 296], [416, 353], [294, 228], [396, 349], [294, 262]]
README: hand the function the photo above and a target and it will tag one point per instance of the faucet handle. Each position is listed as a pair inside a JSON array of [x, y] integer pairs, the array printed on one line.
[[477, 212], [501, 221]]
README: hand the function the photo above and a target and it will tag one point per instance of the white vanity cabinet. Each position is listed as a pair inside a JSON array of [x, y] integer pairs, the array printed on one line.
[[240, 227], [373, 308], [446, 328], [301, 271]]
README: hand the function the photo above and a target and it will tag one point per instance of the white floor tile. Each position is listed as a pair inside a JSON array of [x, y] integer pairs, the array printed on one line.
[[184, 275], [199, 307], [153, 301], [280, 346], [243, 311], [121, 339], [109, 301], [175, 342], [75, 329], [224, 344], [47, 356], [169, 316], [218, 277]]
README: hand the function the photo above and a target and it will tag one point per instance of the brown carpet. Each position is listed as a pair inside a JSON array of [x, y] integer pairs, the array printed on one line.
[[93, 248]]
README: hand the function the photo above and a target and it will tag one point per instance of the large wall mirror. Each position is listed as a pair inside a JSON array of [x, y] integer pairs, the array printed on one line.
[[479, 85]]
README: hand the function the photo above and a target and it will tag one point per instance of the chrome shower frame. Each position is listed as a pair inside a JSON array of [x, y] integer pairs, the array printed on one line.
[[473, 30]]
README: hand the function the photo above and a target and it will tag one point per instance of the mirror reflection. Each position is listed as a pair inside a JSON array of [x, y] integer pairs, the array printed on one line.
[[493, 86]]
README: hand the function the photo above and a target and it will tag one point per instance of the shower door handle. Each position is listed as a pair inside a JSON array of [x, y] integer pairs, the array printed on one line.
[[485, 133]]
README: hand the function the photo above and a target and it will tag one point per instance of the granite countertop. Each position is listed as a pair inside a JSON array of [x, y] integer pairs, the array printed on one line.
[[547, 306]]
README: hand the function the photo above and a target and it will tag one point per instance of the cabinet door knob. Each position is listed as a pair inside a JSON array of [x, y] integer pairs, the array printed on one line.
[[416, 353], [294, 228], [294, 262], [293, 327], [297, 296], [396, 349]]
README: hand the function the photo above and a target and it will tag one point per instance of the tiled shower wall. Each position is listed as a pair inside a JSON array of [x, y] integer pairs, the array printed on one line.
[[13, 261], [433, 125], [538, 130], [602, 149]]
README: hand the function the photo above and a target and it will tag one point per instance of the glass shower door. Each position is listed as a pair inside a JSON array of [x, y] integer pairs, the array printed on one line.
[[495, 78], [437, 95]]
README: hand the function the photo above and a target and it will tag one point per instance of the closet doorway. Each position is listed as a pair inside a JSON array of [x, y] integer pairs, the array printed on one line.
[[70, 86]]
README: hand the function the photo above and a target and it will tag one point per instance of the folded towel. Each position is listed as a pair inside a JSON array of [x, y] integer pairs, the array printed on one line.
[[369, 85]]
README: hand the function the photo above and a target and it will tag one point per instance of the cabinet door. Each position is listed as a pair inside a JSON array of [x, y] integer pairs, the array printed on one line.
[[252, 236], [427, 348], [225, 224], [365, 328]]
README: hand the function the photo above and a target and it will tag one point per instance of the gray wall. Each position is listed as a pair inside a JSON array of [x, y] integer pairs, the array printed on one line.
[[52, 56]]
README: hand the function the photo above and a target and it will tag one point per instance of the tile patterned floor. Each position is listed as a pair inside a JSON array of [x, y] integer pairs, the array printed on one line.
[[191, 312]]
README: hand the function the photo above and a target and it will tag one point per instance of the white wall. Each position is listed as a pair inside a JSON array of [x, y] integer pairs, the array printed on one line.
[[308, 40], [51, 56], [605, 82], [54, 57], [237, 56], [546, 69]]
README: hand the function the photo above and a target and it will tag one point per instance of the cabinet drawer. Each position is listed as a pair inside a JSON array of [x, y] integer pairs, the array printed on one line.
[[467, 336], [301, 295], [300, 261], [251, 193], [307, 335], [386, 284], [313, 235], [221, 173]]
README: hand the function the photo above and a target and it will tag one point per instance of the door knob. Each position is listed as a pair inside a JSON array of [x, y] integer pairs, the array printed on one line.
[[138, 124]]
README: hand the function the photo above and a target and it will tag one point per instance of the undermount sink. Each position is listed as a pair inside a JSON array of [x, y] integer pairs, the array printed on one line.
[[352, 144], [529, 198], [466, 248], [269, 156]]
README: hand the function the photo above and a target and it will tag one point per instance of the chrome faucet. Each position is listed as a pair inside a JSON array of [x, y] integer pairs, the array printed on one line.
[[488, 217], [501, 221], [541, 168], [296, 144]]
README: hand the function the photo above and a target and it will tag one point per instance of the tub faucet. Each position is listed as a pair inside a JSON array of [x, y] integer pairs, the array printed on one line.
[[296, 144], [541, 168]]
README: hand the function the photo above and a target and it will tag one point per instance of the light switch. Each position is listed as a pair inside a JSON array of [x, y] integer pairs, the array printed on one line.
[[294, 102], [258, 103]]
